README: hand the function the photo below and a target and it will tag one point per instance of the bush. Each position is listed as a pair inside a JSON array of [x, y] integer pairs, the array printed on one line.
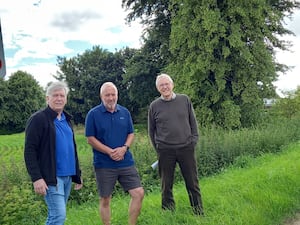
[[218, 148], [87, 193], [21, 205]]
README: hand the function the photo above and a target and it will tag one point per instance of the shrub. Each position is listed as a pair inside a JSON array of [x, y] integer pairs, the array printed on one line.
[[21, 205]]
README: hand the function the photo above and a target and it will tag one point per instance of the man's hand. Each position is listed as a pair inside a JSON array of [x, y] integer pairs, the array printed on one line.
[[40, 187], [118, 153], [78, 186]]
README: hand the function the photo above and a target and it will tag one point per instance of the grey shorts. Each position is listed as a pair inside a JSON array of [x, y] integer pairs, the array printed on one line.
[[106, 179]]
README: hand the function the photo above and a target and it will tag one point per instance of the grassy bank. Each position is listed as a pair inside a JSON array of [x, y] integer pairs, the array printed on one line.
[[265, 191], [231, 196]]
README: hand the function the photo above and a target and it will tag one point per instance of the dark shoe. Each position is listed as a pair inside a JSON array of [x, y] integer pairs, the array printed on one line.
[[198, 211], [169, 207]]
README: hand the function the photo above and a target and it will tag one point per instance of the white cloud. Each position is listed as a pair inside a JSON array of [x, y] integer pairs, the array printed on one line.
[[37, 31], [290, 80], [42, 72]]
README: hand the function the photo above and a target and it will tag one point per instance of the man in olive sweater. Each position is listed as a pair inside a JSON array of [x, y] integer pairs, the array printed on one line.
[[173, 131]]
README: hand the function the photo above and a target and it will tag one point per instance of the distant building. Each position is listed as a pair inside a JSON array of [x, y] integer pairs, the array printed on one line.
[[269, 102]]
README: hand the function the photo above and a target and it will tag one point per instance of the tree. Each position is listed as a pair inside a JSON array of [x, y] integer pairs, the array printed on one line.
[[21, 95], [4, 110], [156, 17], [222, 52], [85, 74], [141, 71], [154, 56], [289, 106], [224, 55]]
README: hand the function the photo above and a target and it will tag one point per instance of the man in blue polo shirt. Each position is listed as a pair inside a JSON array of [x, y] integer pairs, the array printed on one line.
[[109, 130]]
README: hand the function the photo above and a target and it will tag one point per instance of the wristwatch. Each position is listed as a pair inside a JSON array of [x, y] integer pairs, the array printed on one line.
[[126, 147]]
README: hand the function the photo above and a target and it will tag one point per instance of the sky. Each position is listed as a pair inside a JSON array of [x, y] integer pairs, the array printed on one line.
[[35, 32]]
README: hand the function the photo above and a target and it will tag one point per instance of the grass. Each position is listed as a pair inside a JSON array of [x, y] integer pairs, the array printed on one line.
[[258, 191], [264, 192]]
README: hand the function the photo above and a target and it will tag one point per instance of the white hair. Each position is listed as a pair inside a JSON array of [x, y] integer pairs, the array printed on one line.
[[59, 85], [163, 75]]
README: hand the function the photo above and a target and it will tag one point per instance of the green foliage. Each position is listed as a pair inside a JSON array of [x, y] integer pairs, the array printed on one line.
[[153, 56], [144, 156], [21, 96], [141, 71], [20, 205], [86, 194], [287, 107], [218, 150], [222, 59], [222, 54], [84, 74], [263, 192], [87, 72]]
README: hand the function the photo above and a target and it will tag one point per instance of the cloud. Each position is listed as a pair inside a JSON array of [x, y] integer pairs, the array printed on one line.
[[35, 32], [291, 80]]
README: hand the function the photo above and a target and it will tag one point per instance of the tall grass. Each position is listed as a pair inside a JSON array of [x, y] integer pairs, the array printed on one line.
[[217, 150], [264, 192]]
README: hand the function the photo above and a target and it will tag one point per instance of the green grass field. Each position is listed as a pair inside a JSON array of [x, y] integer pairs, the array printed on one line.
[[254, 191], [265, 192]]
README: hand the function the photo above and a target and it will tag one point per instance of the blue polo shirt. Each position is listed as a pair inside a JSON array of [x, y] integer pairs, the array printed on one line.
[[65, 150], [110, 129]]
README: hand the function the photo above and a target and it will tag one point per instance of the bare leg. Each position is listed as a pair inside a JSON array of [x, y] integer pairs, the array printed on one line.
[[135, 205], [105, 210]]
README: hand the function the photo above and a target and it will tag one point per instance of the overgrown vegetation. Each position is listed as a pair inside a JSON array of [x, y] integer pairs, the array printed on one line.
[[262, 191], [218, 149]]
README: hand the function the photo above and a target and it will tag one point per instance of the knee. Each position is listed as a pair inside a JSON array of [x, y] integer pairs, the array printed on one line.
[[138, 193], [105, 202], [141, 193]]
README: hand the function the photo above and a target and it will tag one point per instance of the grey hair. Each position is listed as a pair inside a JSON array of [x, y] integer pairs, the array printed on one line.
[[107, 84], [163, 75], [59, 85]]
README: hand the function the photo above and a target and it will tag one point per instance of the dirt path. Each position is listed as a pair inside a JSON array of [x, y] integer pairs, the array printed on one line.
[[294, 221]]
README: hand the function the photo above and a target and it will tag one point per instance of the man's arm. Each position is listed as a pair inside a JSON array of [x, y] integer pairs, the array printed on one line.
[[151, 127], [97, 145]]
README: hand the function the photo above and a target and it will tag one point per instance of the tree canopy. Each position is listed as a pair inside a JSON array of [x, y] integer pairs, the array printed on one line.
[[21, 95], [87, 72], [221, 53]]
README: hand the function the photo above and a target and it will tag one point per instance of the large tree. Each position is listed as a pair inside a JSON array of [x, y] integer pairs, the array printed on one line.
[[21, 95], [222, 52], [141, 70], [86, 73], [225, 56]]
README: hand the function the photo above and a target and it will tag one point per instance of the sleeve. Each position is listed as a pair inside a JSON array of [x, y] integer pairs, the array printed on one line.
[[130, 121], [89, 125], [33, 133], [193, 123], [151, 126]]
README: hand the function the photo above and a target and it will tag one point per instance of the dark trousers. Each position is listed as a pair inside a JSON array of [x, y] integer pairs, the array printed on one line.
[[185, 157]]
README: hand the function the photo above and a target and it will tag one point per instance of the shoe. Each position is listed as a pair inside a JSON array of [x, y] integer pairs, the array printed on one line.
[[198, 211]]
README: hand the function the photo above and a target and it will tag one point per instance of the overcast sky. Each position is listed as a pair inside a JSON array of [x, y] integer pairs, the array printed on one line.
[[35, 32]]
